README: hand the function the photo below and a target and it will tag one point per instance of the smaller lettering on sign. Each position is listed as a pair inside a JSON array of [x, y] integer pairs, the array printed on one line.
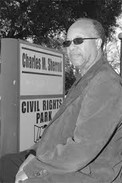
[[54, 66], [41, 63], [31, 62]]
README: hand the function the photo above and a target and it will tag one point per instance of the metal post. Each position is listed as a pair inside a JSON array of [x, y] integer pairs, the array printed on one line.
[[120, 37]]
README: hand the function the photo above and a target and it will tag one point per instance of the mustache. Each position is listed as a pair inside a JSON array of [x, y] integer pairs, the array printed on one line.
[[75, 54]]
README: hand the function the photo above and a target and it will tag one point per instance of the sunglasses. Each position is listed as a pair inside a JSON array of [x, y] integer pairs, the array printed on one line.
[[76, 41]]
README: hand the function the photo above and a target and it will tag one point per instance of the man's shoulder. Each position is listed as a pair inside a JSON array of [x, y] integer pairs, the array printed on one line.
[[107, 71], [105, 74]]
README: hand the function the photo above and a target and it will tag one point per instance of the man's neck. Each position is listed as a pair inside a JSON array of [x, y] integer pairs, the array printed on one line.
[[90, 63]]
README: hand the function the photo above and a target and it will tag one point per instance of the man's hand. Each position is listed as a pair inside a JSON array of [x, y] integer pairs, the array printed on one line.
[[20, 176]]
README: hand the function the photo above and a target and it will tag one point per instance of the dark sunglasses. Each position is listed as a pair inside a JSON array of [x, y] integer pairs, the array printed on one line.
[[76, 41]]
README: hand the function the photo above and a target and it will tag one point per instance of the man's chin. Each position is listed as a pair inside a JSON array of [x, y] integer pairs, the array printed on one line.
[[77, 62]]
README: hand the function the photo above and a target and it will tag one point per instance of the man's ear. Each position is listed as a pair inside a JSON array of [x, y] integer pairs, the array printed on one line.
[[98, 43]]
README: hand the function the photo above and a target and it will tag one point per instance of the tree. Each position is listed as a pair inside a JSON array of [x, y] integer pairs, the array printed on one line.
[[112, 48], [113, 53], [40, 19]]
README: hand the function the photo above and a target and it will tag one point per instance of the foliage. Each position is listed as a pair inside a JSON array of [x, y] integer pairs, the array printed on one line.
[[69, 79], [40, 19], [113, 53], [70, 74]]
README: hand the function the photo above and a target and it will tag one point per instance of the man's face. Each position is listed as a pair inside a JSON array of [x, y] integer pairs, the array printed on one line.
[[85, 52]]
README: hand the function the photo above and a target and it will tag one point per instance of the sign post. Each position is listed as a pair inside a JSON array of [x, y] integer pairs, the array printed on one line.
[[36, 91]]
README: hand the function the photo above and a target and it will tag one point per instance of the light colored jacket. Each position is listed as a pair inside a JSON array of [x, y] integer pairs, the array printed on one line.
[[77, 143]]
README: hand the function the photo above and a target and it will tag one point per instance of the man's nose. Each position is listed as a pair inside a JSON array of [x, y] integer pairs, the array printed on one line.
[[72, 46]]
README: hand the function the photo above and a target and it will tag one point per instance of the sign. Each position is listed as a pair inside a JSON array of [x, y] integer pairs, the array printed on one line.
[[35, 115], [41, 71], [41, 91], [31, 92]]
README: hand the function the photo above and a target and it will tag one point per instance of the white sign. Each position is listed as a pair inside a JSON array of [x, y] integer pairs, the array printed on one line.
[[41, 71], [41, 91], [35, 115]]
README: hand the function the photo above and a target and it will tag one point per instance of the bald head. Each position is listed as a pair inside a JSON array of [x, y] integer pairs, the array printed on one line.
[[84, 24], [84, 43], [91, 27]]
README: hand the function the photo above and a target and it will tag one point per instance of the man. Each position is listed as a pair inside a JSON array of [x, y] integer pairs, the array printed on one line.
[[82, 144]]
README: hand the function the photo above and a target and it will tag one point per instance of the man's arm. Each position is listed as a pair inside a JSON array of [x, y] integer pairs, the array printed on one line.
[[100, 110], [98, 116], [21, 175]]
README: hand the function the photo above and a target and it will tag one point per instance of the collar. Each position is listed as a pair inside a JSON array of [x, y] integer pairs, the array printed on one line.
[[93, 70]]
